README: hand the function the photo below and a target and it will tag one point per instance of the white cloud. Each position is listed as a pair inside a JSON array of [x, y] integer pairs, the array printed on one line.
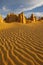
[[39, 14], [29, 5], [3, 11], [23, 5], [4, 8]]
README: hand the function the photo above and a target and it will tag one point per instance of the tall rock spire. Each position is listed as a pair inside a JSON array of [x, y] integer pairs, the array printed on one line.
[[33, 18], [22, 18]]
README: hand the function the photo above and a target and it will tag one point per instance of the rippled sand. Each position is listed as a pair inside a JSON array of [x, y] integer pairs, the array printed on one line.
[[21, 44]]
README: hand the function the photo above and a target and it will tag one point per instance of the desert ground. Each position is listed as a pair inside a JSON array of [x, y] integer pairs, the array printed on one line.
[[21, 44]]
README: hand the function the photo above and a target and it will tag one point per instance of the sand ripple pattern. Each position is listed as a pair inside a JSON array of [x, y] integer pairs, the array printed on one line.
[[20, 46]]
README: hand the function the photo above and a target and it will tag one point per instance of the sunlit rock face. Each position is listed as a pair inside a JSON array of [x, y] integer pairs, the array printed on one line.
[[11, 17], [1, 19], [22, 18]]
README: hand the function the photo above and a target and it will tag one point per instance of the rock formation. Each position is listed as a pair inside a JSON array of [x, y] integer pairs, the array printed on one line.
[[11, 17], [1, 19], [22, 18], [33, 18], [41, 18]]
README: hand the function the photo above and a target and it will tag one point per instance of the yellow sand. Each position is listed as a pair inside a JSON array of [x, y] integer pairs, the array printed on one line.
[[21, 44]]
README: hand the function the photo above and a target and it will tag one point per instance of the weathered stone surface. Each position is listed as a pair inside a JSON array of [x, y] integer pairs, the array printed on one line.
[[33, 18], [22, 18], [11, 17], [41, 18], [1, 19]]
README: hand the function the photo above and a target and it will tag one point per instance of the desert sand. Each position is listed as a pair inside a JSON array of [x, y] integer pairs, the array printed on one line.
[[21, 44]]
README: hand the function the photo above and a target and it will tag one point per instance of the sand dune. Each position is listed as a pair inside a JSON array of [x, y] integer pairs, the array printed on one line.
[[21, 44]]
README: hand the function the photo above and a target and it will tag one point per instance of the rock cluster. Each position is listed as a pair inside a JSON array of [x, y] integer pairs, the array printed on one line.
[[11, 17]]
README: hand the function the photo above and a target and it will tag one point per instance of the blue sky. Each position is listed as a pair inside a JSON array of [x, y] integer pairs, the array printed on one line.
[[18, 6]]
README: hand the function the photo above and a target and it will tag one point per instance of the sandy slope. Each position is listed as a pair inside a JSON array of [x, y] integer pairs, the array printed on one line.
[[21, 44]]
